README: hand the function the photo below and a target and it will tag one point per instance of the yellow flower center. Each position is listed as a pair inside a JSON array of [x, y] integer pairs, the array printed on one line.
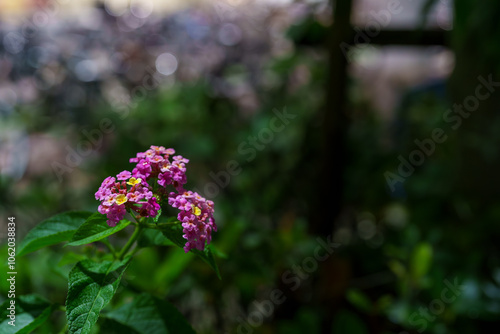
[[120, 199], [133, 181], [196, 210]]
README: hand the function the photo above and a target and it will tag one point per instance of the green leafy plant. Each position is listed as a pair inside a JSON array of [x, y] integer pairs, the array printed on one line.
[[137, 199]]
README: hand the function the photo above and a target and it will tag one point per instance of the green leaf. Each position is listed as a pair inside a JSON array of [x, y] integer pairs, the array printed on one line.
[[174, 233], [217, 252], [384, 302], [94, 229], [359, 299], [150, 315], [421, 260], [155, 219], [91, 287], [110, 326], [31, 312], [152, 237], [207, 256], [397, 268], [53, 230]]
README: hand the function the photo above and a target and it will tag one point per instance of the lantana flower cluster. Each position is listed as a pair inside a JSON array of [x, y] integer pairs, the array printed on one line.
[[155, 163], [197, 217], [147, 185], [125, 192]]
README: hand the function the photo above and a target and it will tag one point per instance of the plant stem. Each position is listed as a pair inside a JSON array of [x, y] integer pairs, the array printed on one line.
[[130, 242], [132, 213], [110, 246]]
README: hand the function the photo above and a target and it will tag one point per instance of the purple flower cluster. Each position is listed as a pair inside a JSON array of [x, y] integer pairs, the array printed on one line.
[[196, 213], [116, 197], [197, 218], [155, 163]]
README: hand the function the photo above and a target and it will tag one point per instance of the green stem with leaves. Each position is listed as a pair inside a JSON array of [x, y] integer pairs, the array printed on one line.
[[137, 232]]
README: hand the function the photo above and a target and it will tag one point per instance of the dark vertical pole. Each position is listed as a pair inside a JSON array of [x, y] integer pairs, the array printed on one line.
[[335, 122]]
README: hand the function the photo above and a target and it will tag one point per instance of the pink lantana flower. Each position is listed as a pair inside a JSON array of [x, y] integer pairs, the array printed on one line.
[[130, 193], [156, 163], [133, 190], [196, 216]]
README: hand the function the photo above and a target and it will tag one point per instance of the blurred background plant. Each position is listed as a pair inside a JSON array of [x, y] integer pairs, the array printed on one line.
[[207, 78]]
